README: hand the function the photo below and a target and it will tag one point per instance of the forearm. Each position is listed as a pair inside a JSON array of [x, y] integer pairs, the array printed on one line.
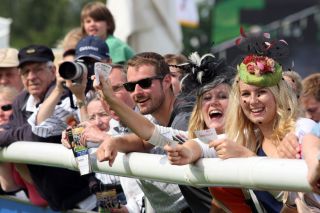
[[48, 106], [135, 121], [131, 143], [194, 148], [9, 136], [83, 110], [311, 149]]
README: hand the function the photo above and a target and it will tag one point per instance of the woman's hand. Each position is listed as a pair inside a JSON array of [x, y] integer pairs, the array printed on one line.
[[179, 154], [289, 147], [93, 134], [64, 140], [226, 148]]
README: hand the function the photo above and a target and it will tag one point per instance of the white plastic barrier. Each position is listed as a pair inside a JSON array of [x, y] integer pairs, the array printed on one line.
[[254, 172]]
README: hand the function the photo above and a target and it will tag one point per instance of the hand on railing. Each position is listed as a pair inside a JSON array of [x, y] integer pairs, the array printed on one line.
[[108, 151], [226, 148], [179, 154], [289, 147]]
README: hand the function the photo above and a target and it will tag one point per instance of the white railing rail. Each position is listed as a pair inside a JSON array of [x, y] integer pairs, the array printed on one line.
[[254, 172]]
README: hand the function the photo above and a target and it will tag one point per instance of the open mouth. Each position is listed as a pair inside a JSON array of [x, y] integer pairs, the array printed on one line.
[[257, 110], [215, 114]]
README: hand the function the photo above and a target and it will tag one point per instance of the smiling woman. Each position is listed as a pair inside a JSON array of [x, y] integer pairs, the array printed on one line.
[[265, 109]]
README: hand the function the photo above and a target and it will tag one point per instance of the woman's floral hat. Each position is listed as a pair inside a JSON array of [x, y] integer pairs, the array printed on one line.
[[260, 67]]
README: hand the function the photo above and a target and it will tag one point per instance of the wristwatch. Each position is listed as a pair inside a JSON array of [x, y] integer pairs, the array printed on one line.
[[81, 103]]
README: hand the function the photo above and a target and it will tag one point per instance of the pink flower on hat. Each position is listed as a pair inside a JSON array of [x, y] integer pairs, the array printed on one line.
[[259, 65]]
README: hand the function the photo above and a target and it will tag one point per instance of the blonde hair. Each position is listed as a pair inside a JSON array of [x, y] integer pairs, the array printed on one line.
[[239, 128], [296, 79], [196, 121], [8, 93], [71, 39]]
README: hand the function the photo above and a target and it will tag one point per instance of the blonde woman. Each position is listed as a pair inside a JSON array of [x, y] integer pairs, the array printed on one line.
[[263, 111], [207, 79]]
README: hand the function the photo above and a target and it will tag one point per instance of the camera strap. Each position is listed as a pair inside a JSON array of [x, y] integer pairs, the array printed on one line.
[[73, 106]]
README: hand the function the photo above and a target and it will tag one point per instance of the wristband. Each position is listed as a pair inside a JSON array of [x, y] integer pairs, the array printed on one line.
[[81, 103]]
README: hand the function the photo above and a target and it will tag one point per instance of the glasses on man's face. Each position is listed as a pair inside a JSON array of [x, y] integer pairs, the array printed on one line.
[[6, 107], [143, 83]]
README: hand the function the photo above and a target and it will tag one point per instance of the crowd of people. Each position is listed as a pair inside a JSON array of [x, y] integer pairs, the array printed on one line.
[[256, 108]]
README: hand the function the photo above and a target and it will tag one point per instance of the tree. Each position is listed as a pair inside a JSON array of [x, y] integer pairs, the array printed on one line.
[[41, 21]]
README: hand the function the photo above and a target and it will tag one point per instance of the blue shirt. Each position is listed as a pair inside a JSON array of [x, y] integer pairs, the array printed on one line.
[[265, 198], [316, 130]]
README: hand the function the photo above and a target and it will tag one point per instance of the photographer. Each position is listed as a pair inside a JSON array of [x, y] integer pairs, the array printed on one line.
[[56, 112], [52, 116]]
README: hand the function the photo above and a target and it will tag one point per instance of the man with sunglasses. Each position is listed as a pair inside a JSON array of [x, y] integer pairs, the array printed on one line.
[[149, 84], [37, 72]]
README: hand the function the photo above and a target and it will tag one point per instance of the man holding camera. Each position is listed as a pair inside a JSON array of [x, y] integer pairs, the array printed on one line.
[[52, 117], [61, 188]]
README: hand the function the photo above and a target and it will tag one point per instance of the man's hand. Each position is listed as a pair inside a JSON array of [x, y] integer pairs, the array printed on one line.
[[78, 89], [108, 151], [104, 87]]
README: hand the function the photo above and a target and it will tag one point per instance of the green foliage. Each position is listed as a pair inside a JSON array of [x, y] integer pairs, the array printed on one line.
[[41, 21]]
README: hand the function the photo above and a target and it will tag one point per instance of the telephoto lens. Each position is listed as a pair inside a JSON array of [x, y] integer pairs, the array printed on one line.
[[72, 70]]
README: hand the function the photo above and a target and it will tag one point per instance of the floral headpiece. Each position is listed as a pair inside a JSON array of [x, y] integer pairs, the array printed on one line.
[[260, 67]]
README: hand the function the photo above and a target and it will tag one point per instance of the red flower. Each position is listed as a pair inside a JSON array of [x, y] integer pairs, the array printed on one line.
[[259, 65]]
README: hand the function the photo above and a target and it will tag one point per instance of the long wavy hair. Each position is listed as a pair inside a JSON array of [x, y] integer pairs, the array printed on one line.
[[239, 128]]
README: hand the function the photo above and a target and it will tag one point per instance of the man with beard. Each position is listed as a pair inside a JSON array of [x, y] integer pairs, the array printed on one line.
[[149, 84]]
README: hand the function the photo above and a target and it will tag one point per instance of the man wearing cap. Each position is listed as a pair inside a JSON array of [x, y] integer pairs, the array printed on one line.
[[52, 118], [9, 73], [37, 73], [61, 188]]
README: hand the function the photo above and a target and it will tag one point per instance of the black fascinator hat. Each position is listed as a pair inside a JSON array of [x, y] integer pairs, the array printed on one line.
[[204, 73]]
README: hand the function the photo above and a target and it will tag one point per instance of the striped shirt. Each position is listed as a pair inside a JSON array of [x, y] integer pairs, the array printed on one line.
[[56, 123], [163, 197]]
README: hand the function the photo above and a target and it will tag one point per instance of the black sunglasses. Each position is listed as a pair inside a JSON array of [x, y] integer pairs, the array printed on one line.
[[6, 107], [143, 83]]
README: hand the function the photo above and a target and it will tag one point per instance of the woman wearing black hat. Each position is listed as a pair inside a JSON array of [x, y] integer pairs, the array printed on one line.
[[208, 81]]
